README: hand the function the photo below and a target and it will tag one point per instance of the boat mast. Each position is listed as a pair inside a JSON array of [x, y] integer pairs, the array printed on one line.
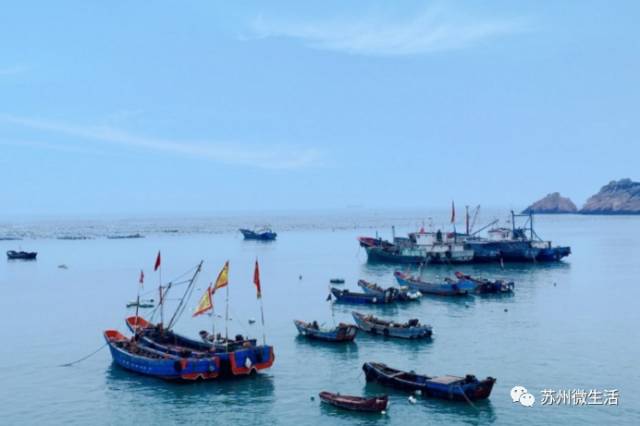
[[185, 296], [226, 319], [467, 218]]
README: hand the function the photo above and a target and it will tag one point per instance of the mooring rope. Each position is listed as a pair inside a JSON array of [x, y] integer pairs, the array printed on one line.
[[84, 357]]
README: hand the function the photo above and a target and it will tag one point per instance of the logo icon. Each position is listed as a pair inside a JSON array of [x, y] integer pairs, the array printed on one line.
[[521, 395]]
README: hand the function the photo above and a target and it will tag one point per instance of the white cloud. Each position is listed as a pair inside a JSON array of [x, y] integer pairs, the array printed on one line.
[[434, 29], [268, 157]]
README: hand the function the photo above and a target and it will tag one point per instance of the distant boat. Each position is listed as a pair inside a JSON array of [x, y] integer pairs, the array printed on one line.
[[346, 296], [341, 333], [21, 255], [401, 294], [128, 354], [467, 388], [447, 288], [73, 237], [10, 238], [412, 329], [122, 237], [141, 304], [484, 286], [375, 404], [336, 280], [263, 234]]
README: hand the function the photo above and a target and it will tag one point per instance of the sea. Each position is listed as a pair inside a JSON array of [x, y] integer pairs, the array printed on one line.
[[568, 335]]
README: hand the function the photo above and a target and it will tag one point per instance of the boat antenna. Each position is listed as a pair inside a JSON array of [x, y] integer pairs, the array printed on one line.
[[185, 297]]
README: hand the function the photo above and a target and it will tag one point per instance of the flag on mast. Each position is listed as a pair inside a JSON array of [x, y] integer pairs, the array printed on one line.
[[157, 265], [206, 303], [223, 278], [256, 281], [453, 212]]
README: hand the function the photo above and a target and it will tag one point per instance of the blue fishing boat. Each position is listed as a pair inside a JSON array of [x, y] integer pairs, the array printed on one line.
[[467, 388], [132, 356], [263, 234], [411, 329], [341, 333], [484, 286], [346, 296], [237, 357], [21, 255], [446, 288], [402, 294]]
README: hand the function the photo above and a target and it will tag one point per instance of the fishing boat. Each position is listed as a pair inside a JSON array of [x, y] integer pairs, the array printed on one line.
[[350, 297], [467, 388], [401, 294], [130, 355], [484, 286], [411, 329], [21, 255], [262, 234], [143, 304], [241, 356], [341, 333], [124, 237], [446, 288], [336, 280], [374, 404]]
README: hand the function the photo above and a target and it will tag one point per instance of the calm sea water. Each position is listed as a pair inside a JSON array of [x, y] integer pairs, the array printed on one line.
[[572, 325]]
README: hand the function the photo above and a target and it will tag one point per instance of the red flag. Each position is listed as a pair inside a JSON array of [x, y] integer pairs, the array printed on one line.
[[453, 213], [256, 281], [157, 265], [141, 277]]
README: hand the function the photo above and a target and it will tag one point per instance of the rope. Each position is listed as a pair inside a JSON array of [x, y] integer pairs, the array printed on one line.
[[467, 398], [84, 357]]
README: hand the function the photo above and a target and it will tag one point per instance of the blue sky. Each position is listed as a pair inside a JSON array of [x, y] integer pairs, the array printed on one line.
[[164, 107]]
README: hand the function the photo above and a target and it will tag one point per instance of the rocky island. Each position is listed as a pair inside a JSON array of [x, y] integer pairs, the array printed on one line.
[[617, 197], [553, 203]]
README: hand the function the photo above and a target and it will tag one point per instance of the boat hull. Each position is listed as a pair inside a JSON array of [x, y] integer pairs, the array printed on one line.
[[260, 236], [348, 297], [355, 403], [438, 289], [21, 255], [388, 330]]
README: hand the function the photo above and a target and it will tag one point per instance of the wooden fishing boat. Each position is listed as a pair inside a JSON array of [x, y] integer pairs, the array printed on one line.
[[236, 357], [467, 388], [264, 234], [447, 288], [484, 286], [374, 404], [402, 294], [21, 255], [341, 333], [346, 296], [411, 329], [130, 355], [336, 280]]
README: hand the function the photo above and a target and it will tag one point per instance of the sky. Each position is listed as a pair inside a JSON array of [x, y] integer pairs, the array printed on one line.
[[199, 106]]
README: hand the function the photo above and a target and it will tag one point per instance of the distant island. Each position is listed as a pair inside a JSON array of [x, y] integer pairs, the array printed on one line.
[[616, 197], [553, 203]]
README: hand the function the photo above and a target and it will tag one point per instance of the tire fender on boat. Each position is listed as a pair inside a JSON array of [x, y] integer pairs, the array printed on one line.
[[386, 331]]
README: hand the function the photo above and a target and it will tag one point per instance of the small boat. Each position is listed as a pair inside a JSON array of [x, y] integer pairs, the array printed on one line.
[[446, 288], [375, 404], [341, 333], [467, 388], [124, 237], [336, 280], [411, 329], [263, 234], [21, 255], [346, 296], [484, 286], [73, 237], [141, 304], [402, 294], [130, 355]]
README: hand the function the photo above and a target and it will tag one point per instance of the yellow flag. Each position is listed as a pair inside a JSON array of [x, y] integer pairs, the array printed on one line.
[[223, 278], [205, 303]]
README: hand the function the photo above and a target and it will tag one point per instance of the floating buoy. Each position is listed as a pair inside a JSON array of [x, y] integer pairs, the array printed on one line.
[[251, 321], [313, 398], [418, 392], [412, 400], [554, 284], [300, 277], [506, 310], [466, 304], [383, 412], [63, 266]]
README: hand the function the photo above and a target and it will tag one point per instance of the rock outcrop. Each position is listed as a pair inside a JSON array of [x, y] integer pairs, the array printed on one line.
[[617, 197], [552, 204]]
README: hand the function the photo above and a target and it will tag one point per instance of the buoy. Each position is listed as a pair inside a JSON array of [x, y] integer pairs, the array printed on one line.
[[466, 304], [383, 412], [300, 277], [412, 400], [554, 284], [418, 392], [506, 310], [251, 321], [313, 398]]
